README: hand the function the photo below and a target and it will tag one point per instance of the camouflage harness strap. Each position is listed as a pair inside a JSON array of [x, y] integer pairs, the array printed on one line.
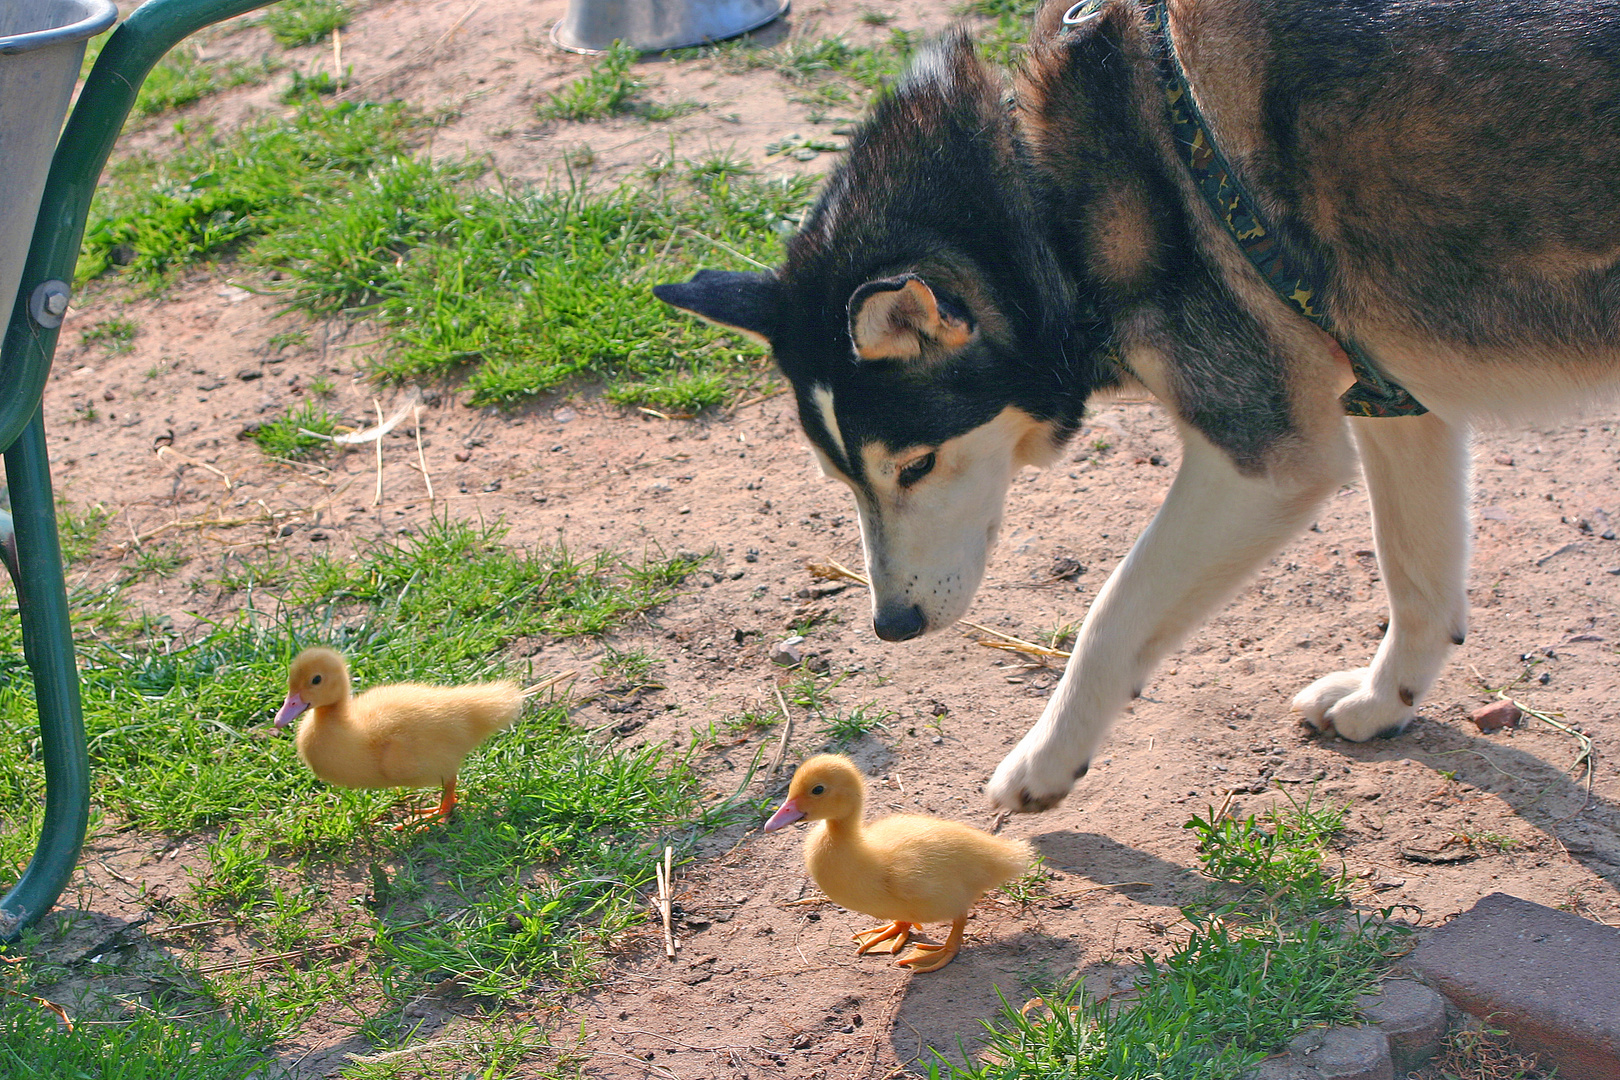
[[1373, 394]]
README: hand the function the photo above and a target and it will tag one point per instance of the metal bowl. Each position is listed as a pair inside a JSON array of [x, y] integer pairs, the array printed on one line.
[[592, 26]]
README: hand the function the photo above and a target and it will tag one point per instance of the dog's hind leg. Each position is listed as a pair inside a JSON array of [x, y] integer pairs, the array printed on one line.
[[1417, 481], [1216, 525]]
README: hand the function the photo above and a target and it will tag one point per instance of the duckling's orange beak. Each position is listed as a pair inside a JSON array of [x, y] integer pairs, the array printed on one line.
[[785, 815], [290, 709]]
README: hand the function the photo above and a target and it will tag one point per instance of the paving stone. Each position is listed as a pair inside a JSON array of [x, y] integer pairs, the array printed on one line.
[[1282, 1067], [1339, 1053], [1547, 977], [1411, 1015]]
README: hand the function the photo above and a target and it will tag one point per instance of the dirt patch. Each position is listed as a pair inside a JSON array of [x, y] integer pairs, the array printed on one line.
[[764, 983]]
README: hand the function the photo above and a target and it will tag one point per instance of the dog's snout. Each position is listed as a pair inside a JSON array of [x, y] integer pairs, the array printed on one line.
[[899, 622]]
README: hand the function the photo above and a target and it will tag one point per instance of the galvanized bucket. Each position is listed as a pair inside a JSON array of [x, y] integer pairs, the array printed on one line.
[[41, 48], [591, 26]]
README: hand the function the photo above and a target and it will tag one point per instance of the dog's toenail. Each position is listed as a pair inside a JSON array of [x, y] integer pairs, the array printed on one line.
[[1407, 697], [1082, 770]]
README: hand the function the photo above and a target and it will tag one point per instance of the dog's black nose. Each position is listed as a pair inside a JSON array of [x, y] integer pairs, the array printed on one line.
[[894, 622]]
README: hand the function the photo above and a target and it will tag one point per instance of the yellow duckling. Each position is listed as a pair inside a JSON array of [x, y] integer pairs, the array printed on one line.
[[906, 868], [403, 735]]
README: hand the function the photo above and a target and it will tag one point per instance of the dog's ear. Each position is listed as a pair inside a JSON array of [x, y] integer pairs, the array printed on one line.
[[895, 318], [747, 302]]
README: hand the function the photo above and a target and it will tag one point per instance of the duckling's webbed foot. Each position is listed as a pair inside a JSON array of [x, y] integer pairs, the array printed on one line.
[[419, 818], [896, 932], [923, 957]]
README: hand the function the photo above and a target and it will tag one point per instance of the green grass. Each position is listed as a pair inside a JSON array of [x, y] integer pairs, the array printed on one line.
[[116, 335], [183, 77], [218, 191], [846, 727], [608, 89], [1276, 949], [140, 1044], [304, 22], [287, 436], [516, 291], [540, 870], [997, 9]]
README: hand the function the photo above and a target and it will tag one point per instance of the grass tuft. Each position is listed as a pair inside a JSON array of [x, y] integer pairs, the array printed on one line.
[[288, 436], [304, 22], [1250, 974]]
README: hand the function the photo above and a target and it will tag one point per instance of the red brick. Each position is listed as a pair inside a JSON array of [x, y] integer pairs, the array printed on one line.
[[1549, 978]]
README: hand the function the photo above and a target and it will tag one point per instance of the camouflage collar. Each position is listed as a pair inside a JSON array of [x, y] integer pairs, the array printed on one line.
[[1373, 394]]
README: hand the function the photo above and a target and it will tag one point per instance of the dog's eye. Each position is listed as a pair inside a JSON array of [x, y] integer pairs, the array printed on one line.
[[819, 789], [914, 471]]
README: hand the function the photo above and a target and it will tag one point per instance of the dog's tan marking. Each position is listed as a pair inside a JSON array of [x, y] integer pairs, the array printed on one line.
[[1122, 236], [892, 324]]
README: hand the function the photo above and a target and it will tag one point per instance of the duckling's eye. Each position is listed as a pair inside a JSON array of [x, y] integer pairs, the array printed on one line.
[[819, 789], [916, 469], [315, 681]]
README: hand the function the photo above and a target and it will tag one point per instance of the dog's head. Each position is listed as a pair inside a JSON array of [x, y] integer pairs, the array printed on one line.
[[927, 332]]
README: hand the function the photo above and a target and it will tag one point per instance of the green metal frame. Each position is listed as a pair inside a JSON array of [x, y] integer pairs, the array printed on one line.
[[25, 361]]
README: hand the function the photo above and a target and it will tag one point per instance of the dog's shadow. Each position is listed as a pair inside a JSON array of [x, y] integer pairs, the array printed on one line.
[[1544, 795]]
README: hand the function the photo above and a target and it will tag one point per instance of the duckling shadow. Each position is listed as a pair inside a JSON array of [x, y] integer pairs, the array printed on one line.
[[944, 1013]]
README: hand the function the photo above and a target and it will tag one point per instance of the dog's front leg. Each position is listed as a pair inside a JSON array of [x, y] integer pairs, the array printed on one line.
[[1215, 526], [1417, 481]]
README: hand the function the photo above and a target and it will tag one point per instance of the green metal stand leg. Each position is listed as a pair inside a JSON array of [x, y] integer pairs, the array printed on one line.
[[48, 646], [25, 362]]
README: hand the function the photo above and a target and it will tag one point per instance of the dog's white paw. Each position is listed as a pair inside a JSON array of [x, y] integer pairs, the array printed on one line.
[[1034, 777], [1346, 702]]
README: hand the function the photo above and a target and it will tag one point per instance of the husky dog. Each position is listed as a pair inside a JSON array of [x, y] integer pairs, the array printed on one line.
[[1445, 177]]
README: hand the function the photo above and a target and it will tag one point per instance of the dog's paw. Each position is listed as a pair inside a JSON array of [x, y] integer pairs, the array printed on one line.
[[1345, 702], [1030, 780]]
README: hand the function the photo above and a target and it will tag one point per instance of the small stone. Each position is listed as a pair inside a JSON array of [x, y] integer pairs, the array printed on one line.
[[1496, 716], [804, 1041], [1504, 459], [1345, 1053], [1412, 1016], [248, 374], [787, 653]]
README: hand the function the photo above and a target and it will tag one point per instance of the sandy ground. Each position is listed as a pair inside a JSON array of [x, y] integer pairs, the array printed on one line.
[[764, 983]]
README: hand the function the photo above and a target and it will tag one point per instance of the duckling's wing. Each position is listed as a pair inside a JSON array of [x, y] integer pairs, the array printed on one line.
[[943, 866]]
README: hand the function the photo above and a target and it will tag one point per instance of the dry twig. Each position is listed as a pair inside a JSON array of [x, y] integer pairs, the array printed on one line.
[[787, 732], [420, 456], [42, 1003], [276, 958], [167, 451], [376, 499], [662, 871], [1587, 755], [836, 571], [1014, 644], [549, 681]]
